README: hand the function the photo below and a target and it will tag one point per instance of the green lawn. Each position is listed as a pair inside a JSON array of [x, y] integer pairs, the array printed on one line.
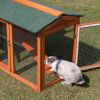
[[11, 89]]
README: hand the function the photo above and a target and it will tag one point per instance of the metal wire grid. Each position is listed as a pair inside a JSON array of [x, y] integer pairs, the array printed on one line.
[[25, 50], [59, 44], [3, 44], [89, 46]]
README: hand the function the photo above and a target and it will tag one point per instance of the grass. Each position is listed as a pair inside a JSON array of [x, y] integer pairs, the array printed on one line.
[[11, 89]]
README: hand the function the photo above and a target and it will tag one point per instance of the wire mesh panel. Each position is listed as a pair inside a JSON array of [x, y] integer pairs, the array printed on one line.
[[89, 45], [25, 53], [3, 44], [60, 45]]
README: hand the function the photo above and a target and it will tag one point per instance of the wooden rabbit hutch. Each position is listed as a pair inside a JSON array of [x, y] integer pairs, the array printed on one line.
[[24, 27]]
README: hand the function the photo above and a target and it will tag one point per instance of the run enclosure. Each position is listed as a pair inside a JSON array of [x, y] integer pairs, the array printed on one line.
[[22, 42], [22, 55], [19, 56]]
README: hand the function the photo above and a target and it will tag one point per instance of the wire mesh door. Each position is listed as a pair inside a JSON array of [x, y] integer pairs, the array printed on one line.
[[89, 45], [3, 44], [25, 53]]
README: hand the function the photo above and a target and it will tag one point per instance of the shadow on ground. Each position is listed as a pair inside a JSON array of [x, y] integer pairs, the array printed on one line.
[[87, 81]]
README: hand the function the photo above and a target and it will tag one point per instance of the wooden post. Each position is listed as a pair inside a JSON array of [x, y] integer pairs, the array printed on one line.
[[41, 58], [75, 41], [10, 47], [74, 46]]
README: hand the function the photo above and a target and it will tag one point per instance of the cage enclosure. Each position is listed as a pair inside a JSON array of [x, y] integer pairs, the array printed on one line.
[[23, 54], [29, 35]]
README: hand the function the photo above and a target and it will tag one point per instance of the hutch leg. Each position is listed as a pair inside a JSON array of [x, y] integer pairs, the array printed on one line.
[[40, 60], [75, 38]]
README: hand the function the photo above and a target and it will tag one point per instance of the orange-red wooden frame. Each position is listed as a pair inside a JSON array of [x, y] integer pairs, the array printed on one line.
[[10, 67], [42, 69], [76, 45]]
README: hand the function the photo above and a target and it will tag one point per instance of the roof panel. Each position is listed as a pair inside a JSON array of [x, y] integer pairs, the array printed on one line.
[[23, 16]]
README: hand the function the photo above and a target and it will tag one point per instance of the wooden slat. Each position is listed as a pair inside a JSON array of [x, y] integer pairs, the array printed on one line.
[[3, 21], [70, 18], [52, 31], [86, 24], [5, 66], [60, 27], [27, 47], [53, 82], [40, 7], [90, 67]]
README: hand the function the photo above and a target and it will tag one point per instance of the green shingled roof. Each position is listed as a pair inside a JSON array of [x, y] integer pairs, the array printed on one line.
[[26, 17]]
